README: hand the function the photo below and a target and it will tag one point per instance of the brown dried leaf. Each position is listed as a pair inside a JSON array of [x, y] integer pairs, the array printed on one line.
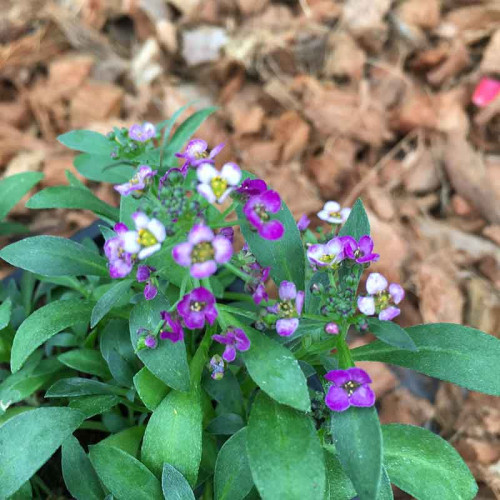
[[422, 13], [403, 407]]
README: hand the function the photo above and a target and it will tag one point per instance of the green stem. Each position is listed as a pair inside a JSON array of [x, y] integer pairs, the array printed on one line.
[[96, 426], [238, 272], [317, 317], [225, 224], [235, 310], [40, 484], [228, 210], [344, 354], [201, 356], [237, 296]]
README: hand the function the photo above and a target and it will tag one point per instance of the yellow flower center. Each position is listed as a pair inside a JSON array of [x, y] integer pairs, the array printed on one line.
[[146, 238], [202, 252], [382, 301], [286, 309], [350, 387], [203, 154], [219, 186], [334, 214], [196, 306]]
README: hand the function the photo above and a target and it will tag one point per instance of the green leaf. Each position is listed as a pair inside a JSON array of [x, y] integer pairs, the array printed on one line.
[[87, 141], [357, 224], [358, 440], [102, 168], [8, 228], [183, 133], [233, 478], [175, 372], [72, 197], [25, 382], [284, 452], [391, 333], [273, 368], [86, 361], [14, 187], [128, 205], [338, 484], [128, 440], [23, 493], [54, 256], [43, 324], [174, 485], [28, 440], [5, 312], [74, 387], [285, 256], [226, 392], [425, 465], [456, 353], [123, 475], [312, 302], [174, 435], [109, 299], [150, 389], [94, 405], [226, 424], [79, 475]]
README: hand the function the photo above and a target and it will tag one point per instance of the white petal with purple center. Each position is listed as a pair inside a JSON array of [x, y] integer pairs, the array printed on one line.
[[223, 249], [182, 253], [200, 233]]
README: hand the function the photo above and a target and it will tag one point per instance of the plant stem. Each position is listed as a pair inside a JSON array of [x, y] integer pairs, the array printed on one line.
[[201, 356], [225, 224], [344, 354], [237, 296], [96, 426], [228, 210], [238, 272]]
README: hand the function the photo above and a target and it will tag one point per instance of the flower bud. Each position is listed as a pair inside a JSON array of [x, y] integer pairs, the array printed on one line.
[[332, 328]]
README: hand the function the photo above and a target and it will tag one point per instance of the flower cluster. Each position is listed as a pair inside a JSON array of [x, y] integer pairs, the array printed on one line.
[[138, 183], [382, 298], [203, 251], [288, 308], [214, 185], [235, 339], [333, 213], [196, 153], [349, 388]]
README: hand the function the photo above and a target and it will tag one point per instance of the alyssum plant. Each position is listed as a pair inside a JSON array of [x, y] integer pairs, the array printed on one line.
[[170, 373]]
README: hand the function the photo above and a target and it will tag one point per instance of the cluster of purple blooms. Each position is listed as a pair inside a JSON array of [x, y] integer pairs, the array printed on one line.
[[204, 250]]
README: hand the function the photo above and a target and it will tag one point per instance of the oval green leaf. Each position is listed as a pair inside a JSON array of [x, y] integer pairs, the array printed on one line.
[[174, 484], [102, 168], [124, 475], [175, 371], [86, 361], [79, 475], [456, 353], [14, 187], [284, 452], [87, 141], [273, 368], [391, 333], [43, 324], [150, 389], [174, 435], [358, 440], [108, 300], [29, 439], [425, 465], [54, 256], [233, 478], [357, 224]]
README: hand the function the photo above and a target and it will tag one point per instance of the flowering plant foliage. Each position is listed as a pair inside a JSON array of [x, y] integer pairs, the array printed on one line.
[[200, 380]]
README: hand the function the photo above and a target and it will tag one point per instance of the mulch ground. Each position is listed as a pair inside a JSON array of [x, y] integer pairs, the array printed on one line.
[[325, 100]]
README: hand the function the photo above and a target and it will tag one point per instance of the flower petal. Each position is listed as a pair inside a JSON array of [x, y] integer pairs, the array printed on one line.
[[157, 229], [363, 396], [150, 291], [205, 269], [182, 253], [366, 305], [200, 233], [231, 173], [331, 206], [375, 283], [365, 244], [338, 377], [287, 326], [358, 375], [148, 251], [272, 230], [344, 214], [287, 290], [242, 341], [140, 219], [195, 147], [314, 254], [143, 273], [336, 399], [299, 301], [206, 172], [120, 268], [271, 201], [389, 314], [223, 249], [397, 292], [206, 191], [229, 353], [129, 242]]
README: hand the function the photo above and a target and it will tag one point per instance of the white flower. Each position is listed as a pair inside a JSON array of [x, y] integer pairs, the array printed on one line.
[[215, 186], [148, 237], [333, 213]]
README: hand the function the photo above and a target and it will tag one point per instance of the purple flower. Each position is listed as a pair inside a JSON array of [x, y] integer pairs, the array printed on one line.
[[331, 254], [202, 251], [121, 251], [196, 307], [216, 367], [150, 341], [333, 214], [150, 291], [142, 133], [252, 187], [288, 308], [256, 286], [138, 183], [382, 298], [361, 251], [171, 329], [196, 153], [332, 328], [349, 388], [303, 222], [227, 232], [149, 236], [144, 274], [216, 186], [234, 339], [257, 210]]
